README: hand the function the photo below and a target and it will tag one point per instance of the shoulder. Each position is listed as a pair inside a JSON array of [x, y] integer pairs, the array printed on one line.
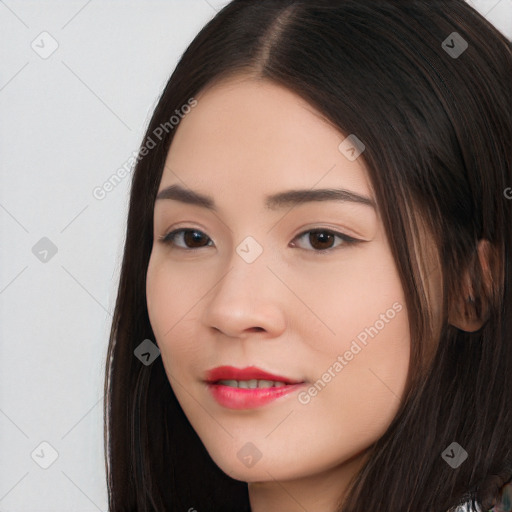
[[466, 507], [505, 500], [504, 503]]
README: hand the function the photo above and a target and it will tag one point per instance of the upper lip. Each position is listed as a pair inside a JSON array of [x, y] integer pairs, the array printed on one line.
[[248, 373]]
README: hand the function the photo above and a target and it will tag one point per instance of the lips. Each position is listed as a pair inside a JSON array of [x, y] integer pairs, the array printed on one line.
[[245, 374], [248, 388]]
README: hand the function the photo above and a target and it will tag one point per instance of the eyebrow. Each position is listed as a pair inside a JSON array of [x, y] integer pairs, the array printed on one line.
[[272, 202]]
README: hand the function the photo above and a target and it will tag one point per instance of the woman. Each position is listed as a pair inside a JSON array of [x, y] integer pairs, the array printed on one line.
[[318, 243]]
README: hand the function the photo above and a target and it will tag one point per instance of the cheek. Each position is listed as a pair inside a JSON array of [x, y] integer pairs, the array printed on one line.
[[173, 299], [169, 294], [360, 371], [158, 294], [353, 398], [357, 303]]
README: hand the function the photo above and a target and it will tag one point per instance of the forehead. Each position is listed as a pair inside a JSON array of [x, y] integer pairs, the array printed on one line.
[[256, 135]]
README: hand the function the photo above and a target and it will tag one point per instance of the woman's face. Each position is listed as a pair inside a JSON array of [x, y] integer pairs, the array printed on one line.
[[276, 286]]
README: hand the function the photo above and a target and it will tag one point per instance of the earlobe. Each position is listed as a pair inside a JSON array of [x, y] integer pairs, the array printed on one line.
[[465, 318], [470, 312]]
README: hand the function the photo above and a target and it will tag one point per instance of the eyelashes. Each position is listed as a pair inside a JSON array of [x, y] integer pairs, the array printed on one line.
[[170, 238], [323, 236], [314, 234]]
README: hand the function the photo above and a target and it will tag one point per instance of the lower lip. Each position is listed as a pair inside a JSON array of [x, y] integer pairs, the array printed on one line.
[[242, 398]]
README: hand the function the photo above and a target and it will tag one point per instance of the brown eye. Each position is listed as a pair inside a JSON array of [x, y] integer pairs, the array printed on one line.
[[192, 238], [320, 240], [323, 239]]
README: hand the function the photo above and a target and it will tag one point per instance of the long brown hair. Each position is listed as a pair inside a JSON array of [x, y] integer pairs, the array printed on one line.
[[437, 127]]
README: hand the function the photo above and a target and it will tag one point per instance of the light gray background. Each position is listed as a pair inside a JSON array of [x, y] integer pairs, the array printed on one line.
[[67, 123]]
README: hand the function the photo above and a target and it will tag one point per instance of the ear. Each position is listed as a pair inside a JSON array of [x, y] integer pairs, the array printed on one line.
[[470, 310]]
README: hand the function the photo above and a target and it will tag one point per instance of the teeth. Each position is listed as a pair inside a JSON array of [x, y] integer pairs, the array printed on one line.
[[230, 383], [252, 384]]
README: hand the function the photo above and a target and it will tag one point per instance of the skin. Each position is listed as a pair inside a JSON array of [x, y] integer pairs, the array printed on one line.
[[293, 310]]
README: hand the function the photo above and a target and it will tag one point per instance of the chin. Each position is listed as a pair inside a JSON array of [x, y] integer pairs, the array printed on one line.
[[262, 471]]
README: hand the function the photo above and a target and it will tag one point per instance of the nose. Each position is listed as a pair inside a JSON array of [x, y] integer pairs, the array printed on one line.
[[249, 298]]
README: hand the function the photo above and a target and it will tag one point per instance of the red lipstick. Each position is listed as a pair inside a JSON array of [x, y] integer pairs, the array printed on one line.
[[259, 387]]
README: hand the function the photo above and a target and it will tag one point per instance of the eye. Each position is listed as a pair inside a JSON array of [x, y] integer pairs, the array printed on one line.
[[193, 237], [319, 239]]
